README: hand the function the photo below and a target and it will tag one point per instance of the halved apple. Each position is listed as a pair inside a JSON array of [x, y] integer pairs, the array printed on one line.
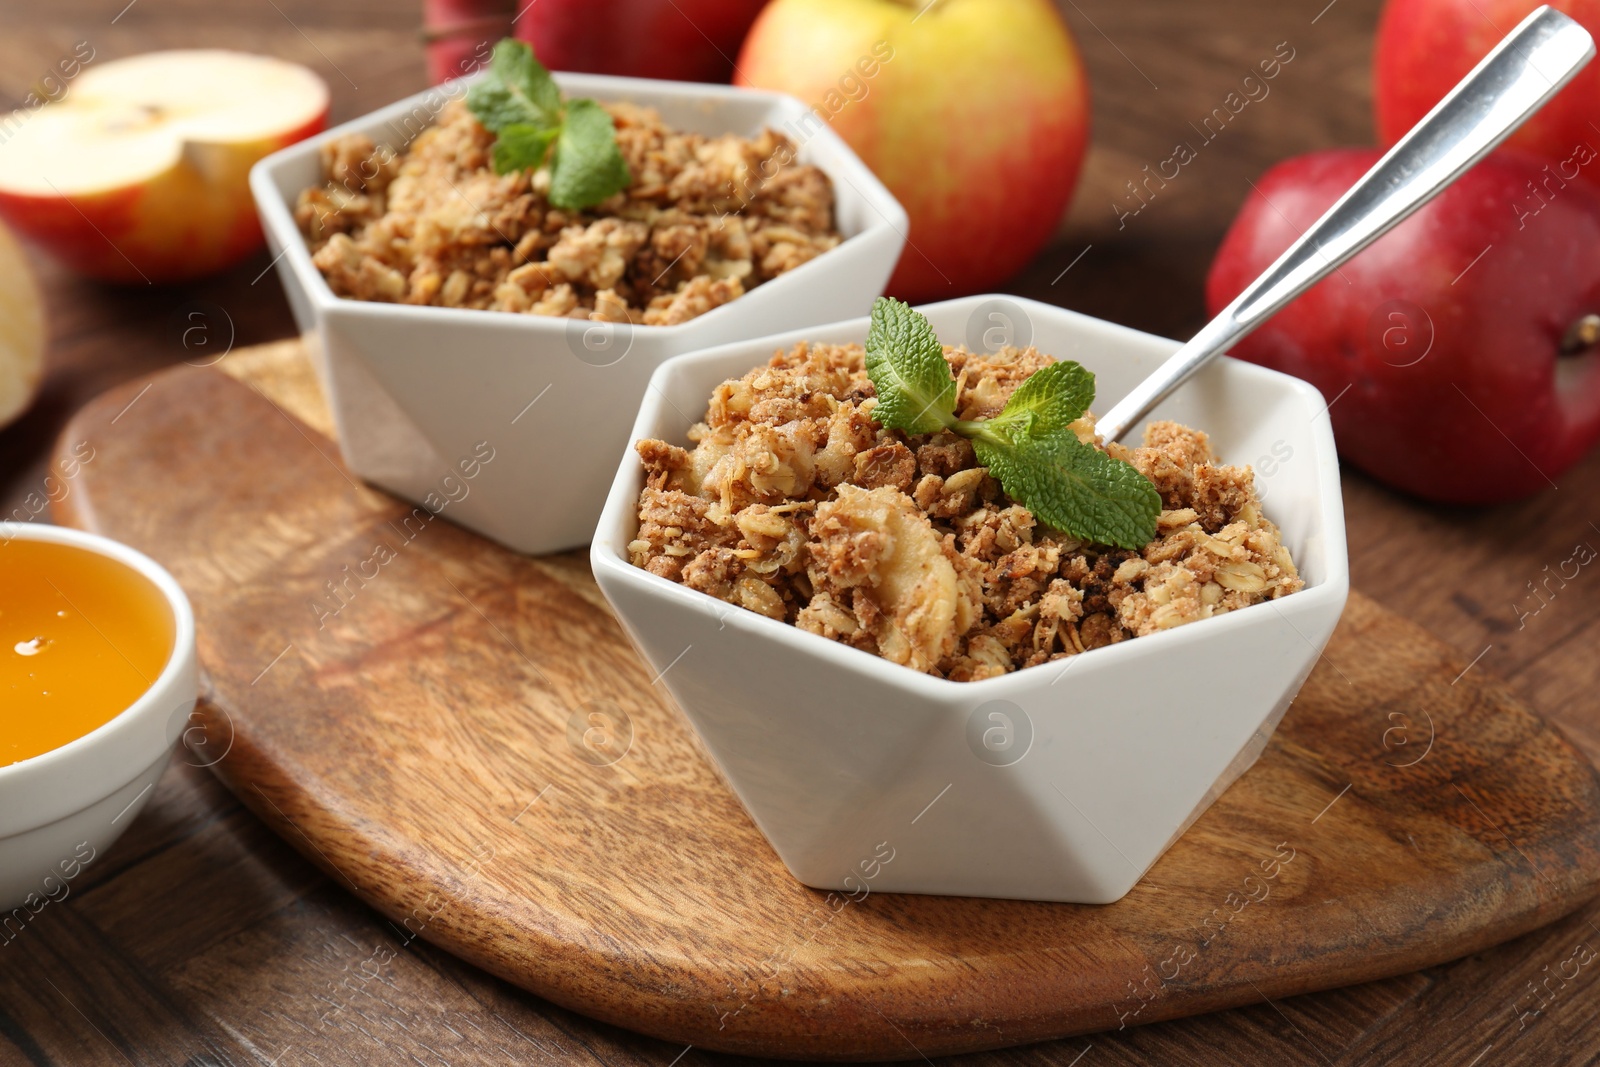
[[21, 330], [140, 173]]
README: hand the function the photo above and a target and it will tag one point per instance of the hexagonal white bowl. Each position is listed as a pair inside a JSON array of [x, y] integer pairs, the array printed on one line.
[[416, 391], [1061, 782]]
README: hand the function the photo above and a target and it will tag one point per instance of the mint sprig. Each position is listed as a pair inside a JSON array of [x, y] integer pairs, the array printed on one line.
[[521, 105], [1030, 447]]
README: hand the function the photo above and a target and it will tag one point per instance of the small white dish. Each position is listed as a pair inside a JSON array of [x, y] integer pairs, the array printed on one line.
[[421, 394], [61, 810], [1061, 782]]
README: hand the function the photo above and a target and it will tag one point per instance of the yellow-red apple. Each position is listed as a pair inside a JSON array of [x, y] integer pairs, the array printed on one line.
[[974, 113], [21, 330], [139, 171]]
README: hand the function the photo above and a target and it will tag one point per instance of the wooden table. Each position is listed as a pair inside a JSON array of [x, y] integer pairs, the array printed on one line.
[[205, 939]]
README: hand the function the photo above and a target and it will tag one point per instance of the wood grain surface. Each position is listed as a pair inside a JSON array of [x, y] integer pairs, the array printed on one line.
[[407, 730], [204, 939]]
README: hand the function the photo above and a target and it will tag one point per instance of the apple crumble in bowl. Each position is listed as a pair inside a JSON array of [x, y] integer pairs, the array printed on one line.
[[702, 221], [796, 504], [454, 311], [1031, 700]]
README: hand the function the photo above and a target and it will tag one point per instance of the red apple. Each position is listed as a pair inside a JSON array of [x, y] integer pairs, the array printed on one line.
[[461, 33], [974, 113], [22, 330], [680, 40], [139, 172], [1457, 352], [1426, 46]]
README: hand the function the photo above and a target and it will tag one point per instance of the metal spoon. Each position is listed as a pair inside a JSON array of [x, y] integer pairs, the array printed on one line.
[[1524, 70]]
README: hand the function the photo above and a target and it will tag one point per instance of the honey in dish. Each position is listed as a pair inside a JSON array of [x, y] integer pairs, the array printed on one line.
[[81, 638]]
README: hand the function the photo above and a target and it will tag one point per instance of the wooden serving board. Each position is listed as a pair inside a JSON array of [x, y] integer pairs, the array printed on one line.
[[420, 745]]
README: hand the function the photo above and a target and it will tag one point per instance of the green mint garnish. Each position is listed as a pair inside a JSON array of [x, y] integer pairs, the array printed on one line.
[[589, 167], [906, 363], [1029, 446], [519, 103], [1076, 488], [1052, 398], [521, 147], [517, 91]]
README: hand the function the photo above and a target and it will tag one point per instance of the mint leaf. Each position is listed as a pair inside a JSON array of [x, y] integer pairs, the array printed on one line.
[[1050, 399], [517, 91], [521, 104], [1029, 446], [906, 364], [588, 166], [521, 147], [1075, 487]]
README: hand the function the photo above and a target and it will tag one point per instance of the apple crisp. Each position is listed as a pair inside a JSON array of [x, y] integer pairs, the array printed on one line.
[[703, 220], [795, 503]]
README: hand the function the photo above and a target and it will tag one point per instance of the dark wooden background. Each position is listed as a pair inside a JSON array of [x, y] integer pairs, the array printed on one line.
[[204, 939]]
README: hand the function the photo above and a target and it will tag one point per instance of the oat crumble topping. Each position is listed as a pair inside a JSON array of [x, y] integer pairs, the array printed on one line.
[[704, 220], [794, 503]]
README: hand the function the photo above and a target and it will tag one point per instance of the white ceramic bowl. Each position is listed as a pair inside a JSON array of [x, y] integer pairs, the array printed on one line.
[[60, 811], [1061, 782], [419, 391]]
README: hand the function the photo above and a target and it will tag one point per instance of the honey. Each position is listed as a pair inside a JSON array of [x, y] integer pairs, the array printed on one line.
[[81, 638]]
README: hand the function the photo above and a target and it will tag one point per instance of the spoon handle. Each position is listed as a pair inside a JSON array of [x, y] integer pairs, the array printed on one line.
[[1525, 69]]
